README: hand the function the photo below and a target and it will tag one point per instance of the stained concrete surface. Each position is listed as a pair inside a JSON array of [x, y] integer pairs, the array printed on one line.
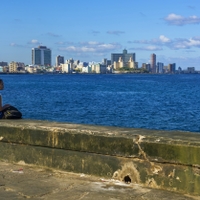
[[22, 181]]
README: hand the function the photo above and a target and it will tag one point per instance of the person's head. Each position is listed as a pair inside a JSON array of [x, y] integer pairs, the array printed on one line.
[[1, 84]]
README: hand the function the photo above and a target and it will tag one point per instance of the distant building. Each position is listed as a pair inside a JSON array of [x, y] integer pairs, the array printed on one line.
[[153, 63], [98, 68], [118, 64], [3, 64], [59, 60], [16, 67], [66, 68], [172, 68], [41, 56], [132, 64], [191, 69], [179, 69], [124, 56], [146, 66], [1, 69], [159, 68], [106, 62]]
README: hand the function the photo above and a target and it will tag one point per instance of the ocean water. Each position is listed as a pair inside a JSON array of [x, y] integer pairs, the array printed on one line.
[[163, 102]]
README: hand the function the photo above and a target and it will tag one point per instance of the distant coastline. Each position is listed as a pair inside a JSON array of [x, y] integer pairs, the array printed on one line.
[[55, 73]]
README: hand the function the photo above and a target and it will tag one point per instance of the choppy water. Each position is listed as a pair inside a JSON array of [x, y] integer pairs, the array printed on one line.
[[168, 102]]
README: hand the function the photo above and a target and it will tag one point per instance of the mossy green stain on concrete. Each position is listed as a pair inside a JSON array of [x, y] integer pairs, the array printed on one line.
[[159, 159], [69, 140], [187, 155], [73, 161]]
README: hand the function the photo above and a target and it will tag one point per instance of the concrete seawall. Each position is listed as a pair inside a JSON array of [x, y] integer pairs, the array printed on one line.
[[167, 160]]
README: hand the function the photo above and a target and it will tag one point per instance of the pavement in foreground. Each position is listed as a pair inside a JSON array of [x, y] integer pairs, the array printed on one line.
[[19, 181]]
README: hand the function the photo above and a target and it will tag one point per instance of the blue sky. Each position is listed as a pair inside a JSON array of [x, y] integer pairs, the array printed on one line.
[[90, 30]]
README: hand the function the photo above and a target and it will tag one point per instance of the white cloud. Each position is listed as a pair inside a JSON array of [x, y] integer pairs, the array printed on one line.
[[91, 46], [93, 43], [173, 19], [148, 48], [34, 41], [15, 45], [164, 39], [153, 48], [194, 42], [177, 43], [64, 43], [181, 43]]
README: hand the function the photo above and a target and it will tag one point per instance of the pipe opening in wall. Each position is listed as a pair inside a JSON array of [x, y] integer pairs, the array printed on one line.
[[127, 179]]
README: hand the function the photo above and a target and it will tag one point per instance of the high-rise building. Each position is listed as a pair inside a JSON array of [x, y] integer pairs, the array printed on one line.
[[153, 63], [59, 60], [172, 68], [159, 68], [124, 56], [41, 56]]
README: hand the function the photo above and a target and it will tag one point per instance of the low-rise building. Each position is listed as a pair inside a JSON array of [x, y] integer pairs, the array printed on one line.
[[191, 70], [66, 67], [16, 67], [1, 69]]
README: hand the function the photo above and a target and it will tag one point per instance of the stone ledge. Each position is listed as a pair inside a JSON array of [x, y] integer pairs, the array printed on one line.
[[171, 177], [160, 146], [158, 159]]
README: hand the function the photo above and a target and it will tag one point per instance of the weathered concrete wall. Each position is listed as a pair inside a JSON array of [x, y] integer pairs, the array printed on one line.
[[159, 159]]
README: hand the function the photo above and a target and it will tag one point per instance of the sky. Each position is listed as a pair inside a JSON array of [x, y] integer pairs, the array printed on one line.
[[90, 30]]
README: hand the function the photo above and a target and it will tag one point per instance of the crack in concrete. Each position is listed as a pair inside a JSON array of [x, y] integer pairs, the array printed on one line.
[[83, 195]]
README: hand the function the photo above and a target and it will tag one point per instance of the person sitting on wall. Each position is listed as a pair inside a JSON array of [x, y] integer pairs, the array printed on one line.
[[1, 102]]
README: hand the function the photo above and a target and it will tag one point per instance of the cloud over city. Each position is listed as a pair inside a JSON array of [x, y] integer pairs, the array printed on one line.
[[148, 48], [163, 41], [15, 45], [178, 20], [34, 42], [91, 46]]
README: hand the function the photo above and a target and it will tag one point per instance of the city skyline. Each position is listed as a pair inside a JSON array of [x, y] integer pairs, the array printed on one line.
[[92, 30]]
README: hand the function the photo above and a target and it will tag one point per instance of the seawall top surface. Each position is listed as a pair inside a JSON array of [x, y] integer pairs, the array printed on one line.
[[109, 131], [156, 145]]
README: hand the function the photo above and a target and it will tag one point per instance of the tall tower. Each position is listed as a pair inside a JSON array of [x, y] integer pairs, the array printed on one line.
[[41, 56], [153, 63]]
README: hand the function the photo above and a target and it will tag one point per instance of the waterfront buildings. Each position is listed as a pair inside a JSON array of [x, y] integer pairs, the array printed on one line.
[[106, 62], [3, 64], [159, 68], [124, 57], [120, 63], [1, 69], [153, 63], [41, 56], [16, 66], [146, 66], [59, 60], [172, 68], [191, 70]]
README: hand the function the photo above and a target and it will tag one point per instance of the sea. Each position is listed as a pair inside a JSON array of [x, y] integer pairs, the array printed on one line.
[[159, 102]]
